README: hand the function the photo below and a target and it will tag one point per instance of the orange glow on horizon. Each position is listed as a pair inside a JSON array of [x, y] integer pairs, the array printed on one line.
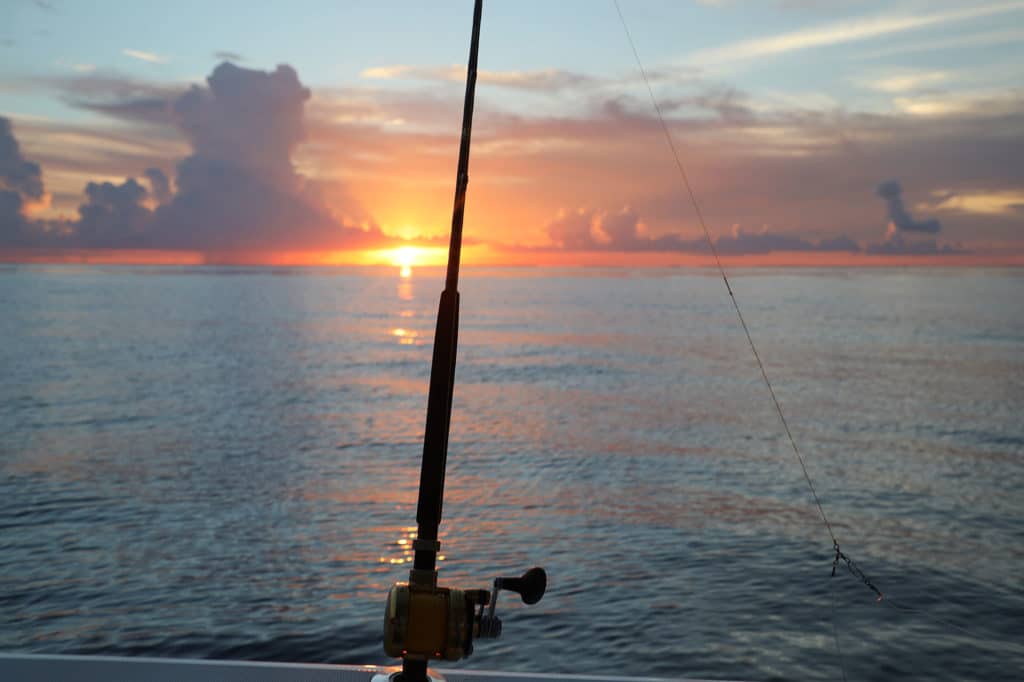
[[409, 256], [102, 257], [406, 257]]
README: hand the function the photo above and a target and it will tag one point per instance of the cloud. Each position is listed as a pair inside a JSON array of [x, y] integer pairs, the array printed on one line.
[[590, 230], [908, 81], [896, 244], [729, 104], [839, 244], [742, 242], [950, 42], [16, 173], [898, 238], [573, 230], [149, 57], [1009, 202], [21, 182], [237, 190], [118, 96], [987, 103], [803, 169], [892, 192], [620, 231], [153, 110], [841, 32], [228, 56], [113, 216], [544, 79], [159, 185], [623, 231]]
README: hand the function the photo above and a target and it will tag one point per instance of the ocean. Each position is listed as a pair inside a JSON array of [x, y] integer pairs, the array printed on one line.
[[223, 462]]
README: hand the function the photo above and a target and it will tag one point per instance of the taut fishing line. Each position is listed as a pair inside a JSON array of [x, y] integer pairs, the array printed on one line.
[[850, 564], [839, 555]]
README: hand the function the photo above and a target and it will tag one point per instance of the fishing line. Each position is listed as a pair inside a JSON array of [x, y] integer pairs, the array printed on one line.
[[735, 303], [936, 619], [835, 630], [851, 566], [750, 340]]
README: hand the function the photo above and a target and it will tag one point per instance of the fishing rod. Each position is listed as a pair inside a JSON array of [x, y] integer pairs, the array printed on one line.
[[422, 620]]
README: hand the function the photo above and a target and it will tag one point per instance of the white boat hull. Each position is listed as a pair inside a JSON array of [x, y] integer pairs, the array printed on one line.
[[44, 668]]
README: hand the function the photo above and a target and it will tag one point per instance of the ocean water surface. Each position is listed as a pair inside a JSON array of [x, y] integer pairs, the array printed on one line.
[[223, 462]]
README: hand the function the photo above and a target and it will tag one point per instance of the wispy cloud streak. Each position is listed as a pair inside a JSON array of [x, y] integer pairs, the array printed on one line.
[[983, 39], [544, 79], [150, 57], [844, 32]]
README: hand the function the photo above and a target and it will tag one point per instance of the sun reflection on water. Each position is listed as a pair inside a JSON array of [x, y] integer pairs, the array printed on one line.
[[405, 289], [406, 337], [403, 545]]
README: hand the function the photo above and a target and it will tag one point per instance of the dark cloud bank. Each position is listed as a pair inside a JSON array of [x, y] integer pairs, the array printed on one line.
[[237, 191], [622, 231]]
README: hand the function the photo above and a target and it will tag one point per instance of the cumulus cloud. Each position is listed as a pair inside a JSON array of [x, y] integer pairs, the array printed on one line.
[[159, 185], [899, 218], [246, 118], [623, 230], [21, 182], [113, 216], [573, 230], [238, 190], [16, 173]]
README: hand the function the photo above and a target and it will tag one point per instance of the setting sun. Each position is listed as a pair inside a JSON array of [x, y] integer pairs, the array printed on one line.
[[405, 257]]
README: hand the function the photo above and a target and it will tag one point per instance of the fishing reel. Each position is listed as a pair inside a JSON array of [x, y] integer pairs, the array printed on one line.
[[423, 621]]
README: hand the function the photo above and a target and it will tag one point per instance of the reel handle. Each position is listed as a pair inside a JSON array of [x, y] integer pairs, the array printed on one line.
[[530, 585]]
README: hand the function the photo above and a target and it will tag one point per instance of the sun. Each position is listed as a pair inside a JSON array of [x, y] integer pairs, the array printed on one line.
[[405, 257]]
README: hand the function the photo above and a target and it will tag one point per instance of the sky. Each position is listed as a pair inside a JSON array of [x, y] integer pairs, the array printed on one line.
[[822, 132]]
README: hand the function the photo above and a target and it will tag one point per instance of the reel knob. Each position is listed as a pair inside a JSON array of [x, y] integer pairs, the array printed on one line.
[[530, 585]]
